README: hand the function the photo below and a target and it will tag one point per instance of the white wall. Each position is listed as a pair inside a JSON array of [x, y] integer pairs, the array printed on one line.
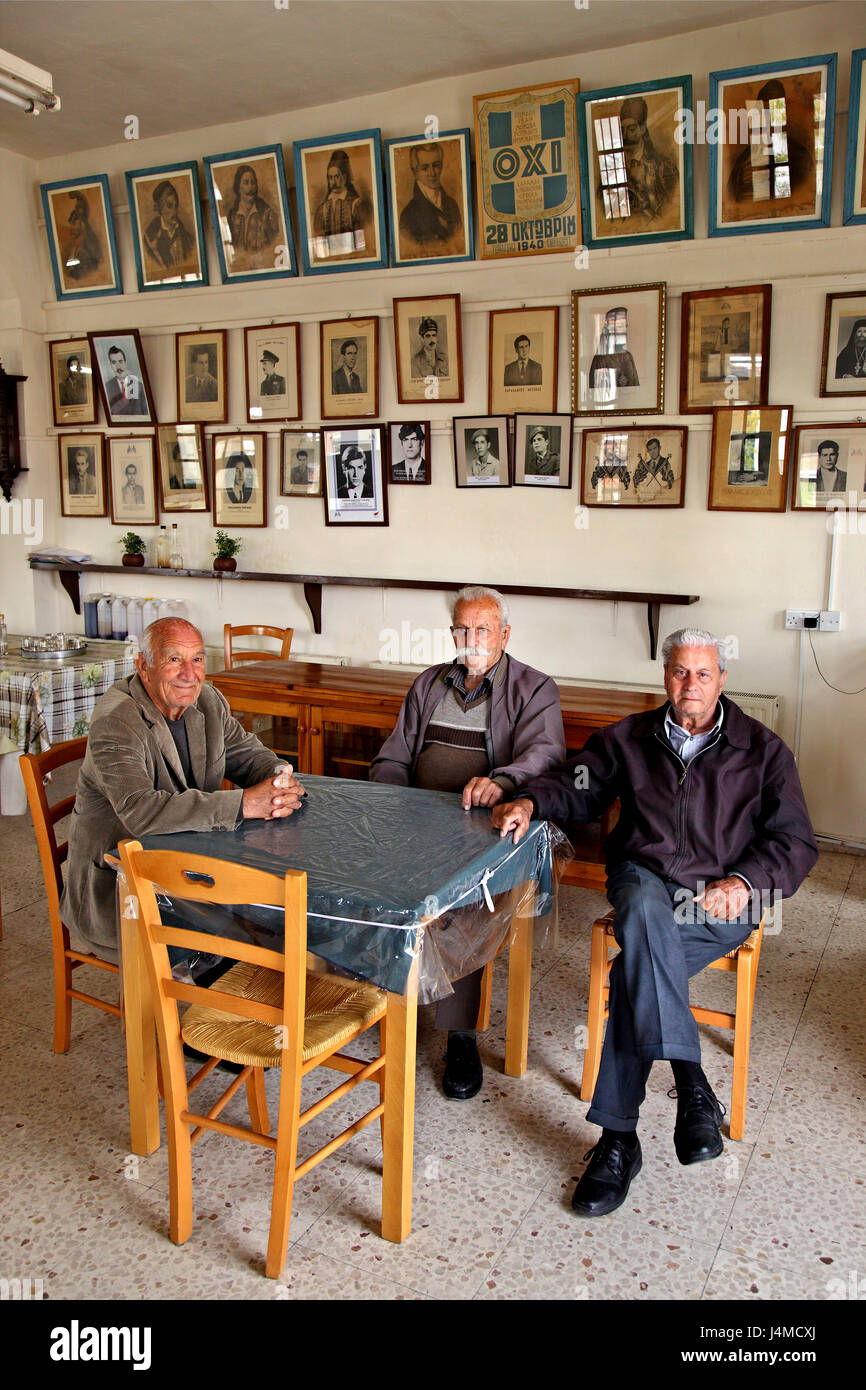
[[747, 568]]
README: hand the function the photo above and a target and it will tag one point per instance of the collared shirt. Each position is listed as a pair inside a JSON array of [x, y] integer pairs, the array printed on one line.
[[686, 745], [456, 676]]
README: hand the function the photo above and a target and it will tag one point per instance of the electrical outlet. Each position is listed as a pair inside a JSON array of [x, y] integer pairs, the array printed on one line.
[[812, 619]]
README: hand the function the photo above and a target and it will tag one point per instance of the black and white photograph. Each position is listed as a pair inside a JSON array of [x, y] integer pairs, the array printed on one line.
[[409, 451], [634, 467], [300, 463], [843, 365], [122, 375], [481, 451], [273, 372], [349, 365], [749, 457], [182, 466], [542, 450], [356, 488], [523, 360], [73, 394], [201, 376], [240, 482], [429, 349], [618, 350], [829, 466], [132, 479], [82, 474]]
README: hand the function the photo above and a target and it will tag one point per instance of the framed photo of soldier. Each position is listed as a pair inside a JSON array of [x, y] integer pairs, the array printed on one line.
[[341, 202], [843, 358], [80, 230], [522, 360], [481, 456], [409, 451], [428, 344], [724, 348], [202, 376], [81, 459], [618, 350], [250, 214], [430, 198], [240, 479], [629, 467], [635, 165], [749, 458], [272, 361], [167, 234], [121, 371], [771, 146], [182, 468], [300, 463], [73, 394], [829, 467], [855, 158], [349, 368], [132, 479], [355, 485], [542, 451]]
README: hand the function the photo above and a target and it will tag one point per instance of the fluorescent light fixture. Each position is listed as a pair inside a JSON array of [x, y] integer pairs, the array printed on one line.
[[25, 86]]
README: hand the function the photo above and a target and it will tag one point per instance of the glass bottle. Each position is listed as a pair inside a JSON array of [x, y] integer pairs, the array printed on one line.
[[176, 556], [163, 552], [4, 640]]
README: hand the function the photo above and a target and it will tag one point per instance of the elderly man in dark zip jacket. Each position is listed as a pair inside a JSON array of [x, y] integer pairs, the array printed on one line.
[[713, 820]]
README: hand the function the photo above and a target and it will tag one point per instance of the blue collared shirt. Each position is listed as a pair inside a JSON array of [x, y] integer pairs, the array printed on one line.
[[686, 745], [456, 676]]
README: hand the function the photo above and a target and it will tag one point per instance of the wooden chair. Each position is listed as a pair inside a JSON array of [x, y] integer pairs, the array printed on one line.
[[34, 767], [743, 960], [282, 634], [267, 1011]]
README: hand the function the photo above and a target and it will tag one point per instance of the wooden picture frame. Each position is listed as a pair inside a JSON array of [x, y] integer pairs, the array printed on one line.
[[121, 373], [429, 363], [725, 348], [814, 487], [240, 479], [341, 202], [300, 463], [618, 350], [409, 452], [478, 463], [201, 369], [354, 462], [249, 205], [623, 466], [73, 394], [81, 463], [182, 468], [167, 232], [542, 450], [843, 354], [272, 371], [349, 368], [749, 457], [854, 212], [522, 360], [132, 479], [429, 230], [81, 242]]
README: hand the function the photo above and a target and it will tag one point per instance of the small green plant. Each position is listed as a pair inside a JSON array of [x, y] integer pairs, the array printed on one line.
[[226, 546], [132, 544]]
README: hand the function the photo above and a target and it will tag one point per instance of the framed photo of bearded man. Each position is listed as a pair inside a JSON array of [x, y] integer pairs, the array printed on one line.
[[843, 360], [250, 214], [341, 202]]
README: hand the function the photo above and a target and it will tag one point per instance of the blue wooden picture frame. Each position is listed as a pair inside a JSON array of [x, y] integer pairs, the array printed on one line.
[[418, 228], [821, 217], [855, 190], [324, 250], [614, 176], [269, 252], [76, 246], [167, 259]]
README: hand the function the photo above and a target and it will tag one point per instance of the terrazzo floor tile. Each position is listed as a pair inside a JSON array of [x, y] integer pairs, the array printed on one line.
[[311, 1275], [820, 1272], [797, 1195]]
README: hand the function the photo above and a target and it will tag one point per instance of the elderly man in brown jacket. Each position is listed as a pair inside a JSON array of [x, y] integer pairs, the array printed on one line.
[[160, 744]]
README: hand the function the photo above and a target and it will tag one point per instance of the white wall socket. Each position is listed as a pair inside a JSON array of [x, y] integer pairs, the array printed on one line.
[[795, 618]]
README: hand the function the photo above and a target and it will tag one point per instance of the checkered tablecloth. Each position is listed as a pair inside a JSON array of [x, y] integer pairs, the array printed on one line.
[[44, 702]]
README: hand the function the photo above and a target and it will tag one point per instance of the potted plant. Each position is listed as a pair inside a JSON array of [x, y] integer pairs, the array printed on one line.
[[133, 550], [226, 549]]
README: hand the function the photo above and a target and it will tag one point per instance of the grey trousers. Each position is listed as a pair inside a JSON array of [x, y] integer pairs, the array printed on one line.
[[664, 940]]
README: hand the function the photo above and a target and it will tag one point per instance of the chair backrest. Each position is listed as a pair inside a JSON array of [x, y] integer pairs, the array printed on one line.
[[34, 767], [282, 634]]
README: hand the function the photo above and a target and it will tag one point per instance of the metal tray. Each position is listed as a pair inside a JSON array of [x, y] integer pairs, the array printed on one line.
[[55, 644]]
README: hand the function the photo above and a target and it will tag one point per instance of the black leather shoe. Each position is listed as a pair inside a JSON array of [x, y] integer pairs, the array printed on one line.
[[604, 1186], [463, 1071], [697, 1136]]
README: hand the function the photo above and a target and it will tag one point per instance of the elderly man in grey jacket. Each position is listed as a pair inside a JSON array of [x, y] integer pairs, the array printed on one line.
[[479, 726], [160, 744]]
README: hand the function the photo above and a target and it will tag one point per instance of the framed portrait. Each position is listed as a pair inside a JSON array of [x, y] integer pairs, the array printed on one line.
[[356, 489], [300, 463], [73, 394], [635, 166], [81, 242], [430, 198], [132, 479], [618, 350], [629, 467], [724, 348], [121, 371], [843, 358], [481, 451], [772, 157], [182, 468], [167, 233], [428, 342], [542, 451], [272, 359], [749, 459], [855, 159], [81, 459], [522, 360], [341, 202], [250, 214], [829, 466], [240, 479], [202, 376], [526, 170], [349, 368], [409, 451]]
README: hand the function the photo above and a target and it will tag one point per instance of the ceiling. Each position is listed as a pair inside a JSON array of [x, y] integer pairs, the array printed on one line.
[[195, 63]]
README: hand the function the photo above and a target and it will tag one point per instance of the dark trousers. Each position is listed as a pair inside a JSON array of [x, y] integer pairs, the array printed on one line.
[[664, 939], [460, 1009]]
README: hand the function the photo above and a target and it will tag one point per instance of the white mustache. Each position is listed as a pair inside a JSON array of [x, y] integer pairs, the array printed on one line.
[[463, 652]]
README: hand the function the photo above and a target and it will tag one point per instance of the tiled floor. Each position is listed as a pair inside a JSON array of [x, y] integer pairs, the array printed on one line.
[[779, 1215]]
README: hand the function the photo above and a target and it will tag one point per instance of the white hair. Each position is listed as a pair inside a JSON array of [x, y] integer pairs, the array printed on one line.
[[156, 632], [478, 593], [695, 637]]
